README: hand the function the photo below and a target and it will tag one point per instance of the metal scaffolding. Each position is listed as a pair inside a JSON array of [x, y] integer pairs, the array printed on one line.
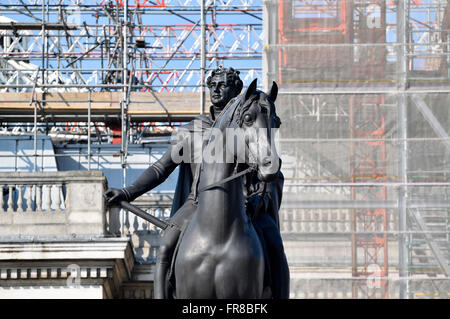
[[79, 44], [65, 56]]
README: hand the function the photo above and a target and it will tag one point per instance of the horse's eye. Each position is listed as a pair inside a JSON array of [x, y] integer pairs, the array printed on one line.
[[248, 118]]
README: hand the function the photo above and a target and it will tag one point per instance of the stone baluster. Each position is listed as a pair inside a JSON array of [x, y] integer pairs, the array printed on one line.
[[391, 221], [48, 202], [296, 221], [39, 198], [342, 221], [1, 198], [66, 199], [306, 221], [333, 222], [301, 221], [315, 222], [282, 217], [292, 220], [10, 199], [30, 198], [349, 222], [137, 223], [289, 223], [20, 199], [162, 215], [332, 227], [126, 224], [58, 198], [151, 227], [325, 221]]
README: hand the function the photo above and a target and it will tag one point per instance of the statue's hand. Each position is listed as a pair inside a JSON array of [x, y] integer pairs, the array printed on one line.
[[114, 196]]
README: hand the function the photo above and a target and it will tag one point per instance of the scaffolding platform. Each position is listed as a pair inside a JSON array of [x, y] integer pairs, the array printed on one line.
[[142, 106]]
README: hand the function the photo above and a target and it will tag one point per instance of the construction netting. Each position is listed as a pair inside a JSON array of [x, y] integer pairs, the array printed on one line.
[[364, 104]]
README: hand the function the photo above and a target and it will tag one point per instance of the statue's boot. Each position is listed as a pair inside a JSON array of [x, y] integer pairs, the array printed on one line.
[[167, 249], [278, 266], [163, 263]]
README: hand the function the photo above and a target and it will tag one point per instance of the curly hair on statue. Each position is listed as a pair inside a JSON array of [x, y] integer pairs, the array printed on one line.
[[232, 76]]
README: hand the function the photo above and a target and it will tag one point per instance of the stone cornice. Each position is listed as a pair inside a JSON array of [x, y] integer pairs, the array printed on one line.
[[114, 248], [51, 178], [109, 261], [101, 250]]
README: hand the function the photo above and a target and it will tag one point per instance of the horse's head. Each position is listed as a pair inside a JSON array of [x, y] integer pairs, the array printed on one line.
[[257, 121]]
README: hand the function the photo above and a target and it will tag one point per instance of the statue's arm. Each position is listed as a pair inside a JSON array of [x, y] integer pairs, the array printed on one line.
[[149, 179]]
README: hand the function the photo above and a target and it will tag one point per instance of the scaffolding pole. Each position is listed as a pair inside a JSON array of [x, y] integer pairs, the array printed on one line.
[[203, 57], [403, 152]]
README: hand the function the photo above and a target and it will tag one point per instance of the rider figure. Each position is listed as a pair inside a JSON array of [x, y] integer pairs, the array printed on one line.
[[224, 85]]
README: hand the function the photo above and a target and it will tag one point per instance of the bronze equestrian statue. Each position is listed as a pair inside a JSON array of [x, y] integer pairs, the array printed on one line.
[[262, 200]]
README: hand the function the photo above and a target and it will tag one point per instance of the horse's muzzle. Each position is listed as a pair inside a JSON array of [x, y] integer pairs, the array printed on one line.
[[268, 169]]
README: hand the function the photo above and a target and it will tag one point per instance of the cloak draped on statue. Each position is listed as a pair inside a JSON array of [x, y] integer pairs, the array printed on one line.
[[185, 172], [183, 188]]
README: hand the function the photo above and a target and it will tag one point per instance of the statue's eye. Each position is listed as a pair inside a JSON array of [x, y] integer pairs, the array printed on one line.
[[248, 118]]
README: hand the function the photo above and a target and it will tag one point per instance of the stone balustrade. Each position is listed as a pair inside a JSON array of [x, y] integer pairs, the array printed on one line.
[[32, 197], [145, 236], [68, 203], [337, 221]]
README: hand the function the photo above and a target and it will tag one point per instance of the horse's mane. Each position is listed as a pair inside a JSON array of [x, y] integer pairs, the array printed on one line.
[[243, 107]]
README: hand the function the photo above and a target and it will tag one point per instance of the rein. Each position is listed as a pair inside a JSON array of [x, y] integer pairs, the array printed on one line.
[[225, 180]]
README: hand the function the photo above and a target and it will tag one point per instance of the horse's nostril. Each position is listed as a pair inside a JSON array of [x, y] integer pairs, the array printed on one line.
[[266, 161]]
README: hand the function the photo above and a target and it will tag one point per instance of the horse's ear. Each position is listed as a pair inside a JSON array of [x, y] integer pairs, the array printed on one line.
[[251, 89], [273, 92]]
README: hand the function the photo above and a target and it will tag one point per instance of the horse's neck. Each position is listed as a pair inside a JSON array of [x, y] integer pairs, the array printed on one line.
[[220, 209]]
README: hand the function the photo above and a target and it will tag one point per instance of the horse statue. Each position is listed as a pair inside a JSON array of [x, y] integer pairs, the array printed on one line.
[[220, 254]]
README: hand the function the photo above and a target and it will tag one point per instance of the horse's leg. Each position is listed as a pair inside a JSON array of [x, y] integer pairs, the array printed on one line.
[[167, 248], [194, 271], [240, 274]]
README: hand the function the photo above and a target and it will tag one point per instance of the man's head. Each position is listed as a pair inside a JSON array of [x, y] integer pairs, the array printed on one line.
[[224, 84]]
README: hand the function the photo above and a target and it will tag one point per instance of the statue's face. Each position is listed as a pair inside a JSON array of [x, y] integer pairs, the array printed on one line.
[[220, 91]]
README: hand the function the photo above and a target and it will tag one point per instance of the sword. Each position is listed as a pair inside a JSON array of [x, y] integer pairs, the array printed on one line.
[[144, 215]]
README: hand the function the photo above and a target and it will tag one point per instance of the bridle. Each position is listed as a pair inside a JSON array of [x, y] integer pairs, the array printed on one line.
[[251, 168]]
